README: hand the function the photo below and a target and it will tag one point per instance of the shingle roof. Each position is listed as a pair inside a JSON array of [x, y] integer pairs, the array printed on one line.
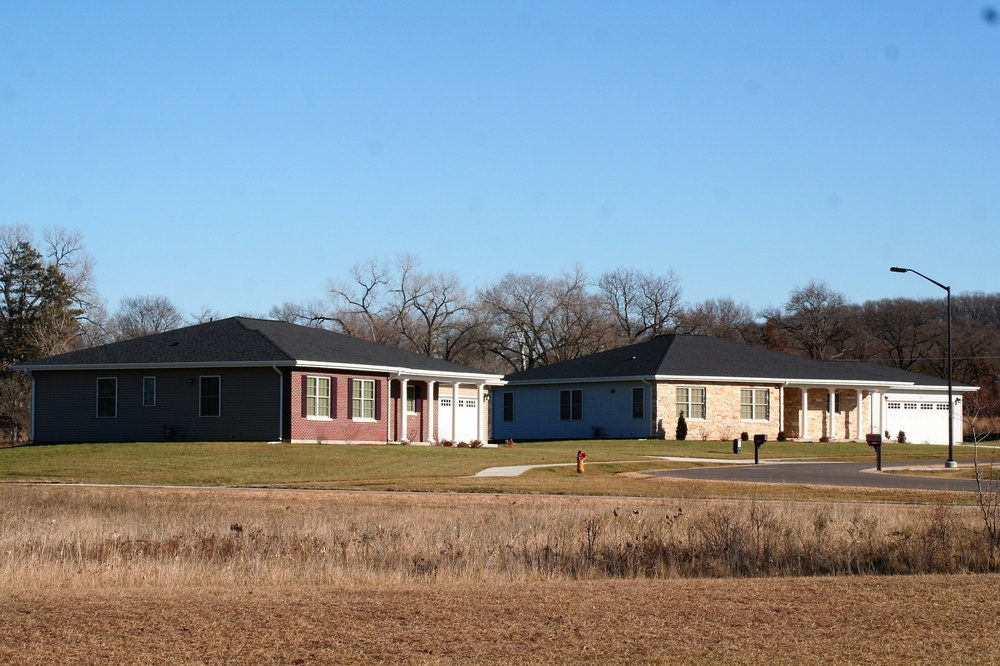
[[242, 340], [700, 356]]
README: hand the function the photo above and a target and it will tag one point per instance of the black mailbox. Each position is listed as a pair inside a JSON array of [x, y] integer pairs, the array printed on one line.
[[875, 441], [757, 441]]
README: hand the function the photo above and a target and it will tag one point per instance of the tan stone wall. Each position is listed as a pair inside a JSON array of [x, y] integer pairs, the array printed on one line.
[[722, 420]]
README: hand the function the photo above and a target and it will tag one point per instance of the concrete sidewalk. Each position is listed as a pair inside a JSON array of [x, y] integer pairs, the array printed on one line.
[[518, 470]]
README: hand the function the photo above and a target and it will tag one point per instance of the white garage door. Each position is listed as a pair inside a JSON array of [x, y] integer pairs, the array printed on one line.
[[465, 420], [923, 422]]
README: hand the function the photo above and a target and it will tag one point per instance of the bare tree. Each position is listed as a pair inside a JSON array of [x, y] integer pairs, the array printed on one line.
[[815, 320], [901, 329], [534, 320], [721, 318], [359, 304], [642, 305], [143, 315]]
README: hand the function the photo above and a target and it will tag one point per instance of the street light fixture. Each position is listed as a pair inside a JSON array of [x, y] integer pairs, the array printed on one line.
[[951, 402]]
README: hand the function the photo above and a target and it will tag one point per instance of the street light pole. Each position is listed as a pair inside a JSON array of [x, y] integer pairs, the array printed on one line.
[[951, 401]]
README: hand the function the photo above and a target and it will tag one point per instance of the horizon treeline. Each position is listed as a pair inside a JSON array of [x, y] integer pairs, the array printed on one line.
[[49, 304]]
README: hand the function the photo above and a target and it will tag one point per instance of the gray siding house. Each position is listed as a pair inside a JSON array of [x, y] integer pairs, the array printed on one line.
[[723, 389], [254, 380]]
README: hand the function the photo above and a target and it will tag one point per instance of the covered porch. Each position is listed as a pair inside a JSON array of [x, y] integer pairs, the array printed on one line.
[[815, 412], [432, 410]]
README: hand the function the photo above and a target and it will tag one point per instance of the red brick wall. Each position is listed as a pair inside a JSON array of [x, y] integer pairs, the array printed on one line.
[[340, 427]]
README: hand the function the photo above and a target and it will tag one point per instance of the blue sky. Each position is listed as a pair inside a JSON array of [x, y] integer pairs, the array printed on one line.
[[238, 155]]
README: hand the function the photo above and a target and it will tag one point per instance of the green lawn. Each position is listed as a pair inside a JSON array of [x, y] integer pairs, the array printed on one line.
[[397, 467]]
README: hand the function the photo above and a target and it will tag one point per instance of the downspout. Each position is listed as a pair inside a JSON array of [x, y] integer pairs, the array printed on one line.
[[281, 402]]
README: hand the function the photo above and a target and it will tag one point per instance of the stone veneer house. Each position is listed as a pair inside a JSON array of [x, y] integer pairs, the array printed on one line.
[[723, 389], [255, 380]]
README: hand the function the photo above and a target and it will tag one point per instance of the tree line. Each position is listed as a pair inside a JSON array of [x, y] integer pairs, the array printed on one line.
[[49, 304]]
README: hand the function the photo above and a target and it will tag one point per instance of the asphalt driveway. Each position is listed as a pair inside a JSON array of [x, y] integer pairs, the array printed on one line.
[[827, 474]]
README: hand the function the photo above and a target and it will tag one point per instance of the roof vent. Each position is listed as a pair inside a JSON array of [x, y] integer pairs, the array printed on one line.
[[175, 344]]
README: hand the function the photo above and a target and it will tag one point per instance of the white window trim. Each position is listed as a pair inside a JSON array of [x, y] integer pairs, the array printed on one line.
[[413, 388], [329, 397], [753, 404], [373, 399], [687, 414]]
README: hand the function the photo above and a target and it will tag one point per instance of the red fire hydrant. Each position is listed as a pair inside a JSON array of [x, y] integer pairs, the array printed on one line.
[[580, 457]]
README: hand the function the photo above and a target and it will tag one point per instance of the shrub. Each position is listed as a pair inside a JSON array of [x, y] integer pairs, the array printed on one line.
[[510, 444], [745, 436], [901, 437], [476, 444], [824, 439], [781, 436], [463, 445], [682, 428], [447, 442]]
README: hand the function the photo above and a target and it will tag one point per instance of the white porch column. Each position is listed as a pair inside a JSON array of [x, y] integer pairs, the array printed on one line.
[[781, 408], [403, 421], [431, 409], [479, 412], [857, 430], [454, 412], [805, 413], [831, 430]]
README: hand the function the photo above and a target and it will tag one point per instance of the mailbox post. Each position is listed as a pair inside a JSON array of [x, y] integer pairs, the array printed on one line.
[[875, 441], [757, 441]]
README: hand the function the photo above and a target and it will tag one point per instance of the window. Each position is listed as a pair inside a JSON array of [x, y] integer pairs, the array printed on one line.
[[149, 391], [894, 405], [926, 405], [363, 399], [638, 402], [210, 396], [909, 405], [691, 402], [411, 399], [508, 406], [754, 404], [318, 397], [571, 405], [107, 397]]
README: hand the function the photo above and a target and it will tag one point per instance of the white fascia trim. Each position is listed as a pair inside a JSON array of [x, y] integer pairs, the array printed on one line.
[[791, 383], [409, 373], [581, 380]]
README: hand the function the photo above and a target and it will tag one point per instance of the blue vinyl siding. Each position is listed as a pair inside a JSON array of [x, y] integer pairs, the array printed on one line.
[[606, 405]]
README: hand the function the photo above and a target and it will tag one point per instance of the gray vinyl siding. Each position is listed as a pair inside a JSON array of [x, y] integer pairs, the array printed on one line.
[[65, 406], [606, 406]]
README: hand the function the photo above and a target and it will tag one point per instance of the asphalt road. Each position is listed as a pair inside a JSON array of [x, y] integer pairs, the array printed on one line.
[[826, 474]]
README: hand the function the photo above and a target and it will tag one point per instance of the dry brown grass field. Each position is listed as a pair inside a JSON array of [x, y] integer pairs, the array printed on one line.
[[147, 575]]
